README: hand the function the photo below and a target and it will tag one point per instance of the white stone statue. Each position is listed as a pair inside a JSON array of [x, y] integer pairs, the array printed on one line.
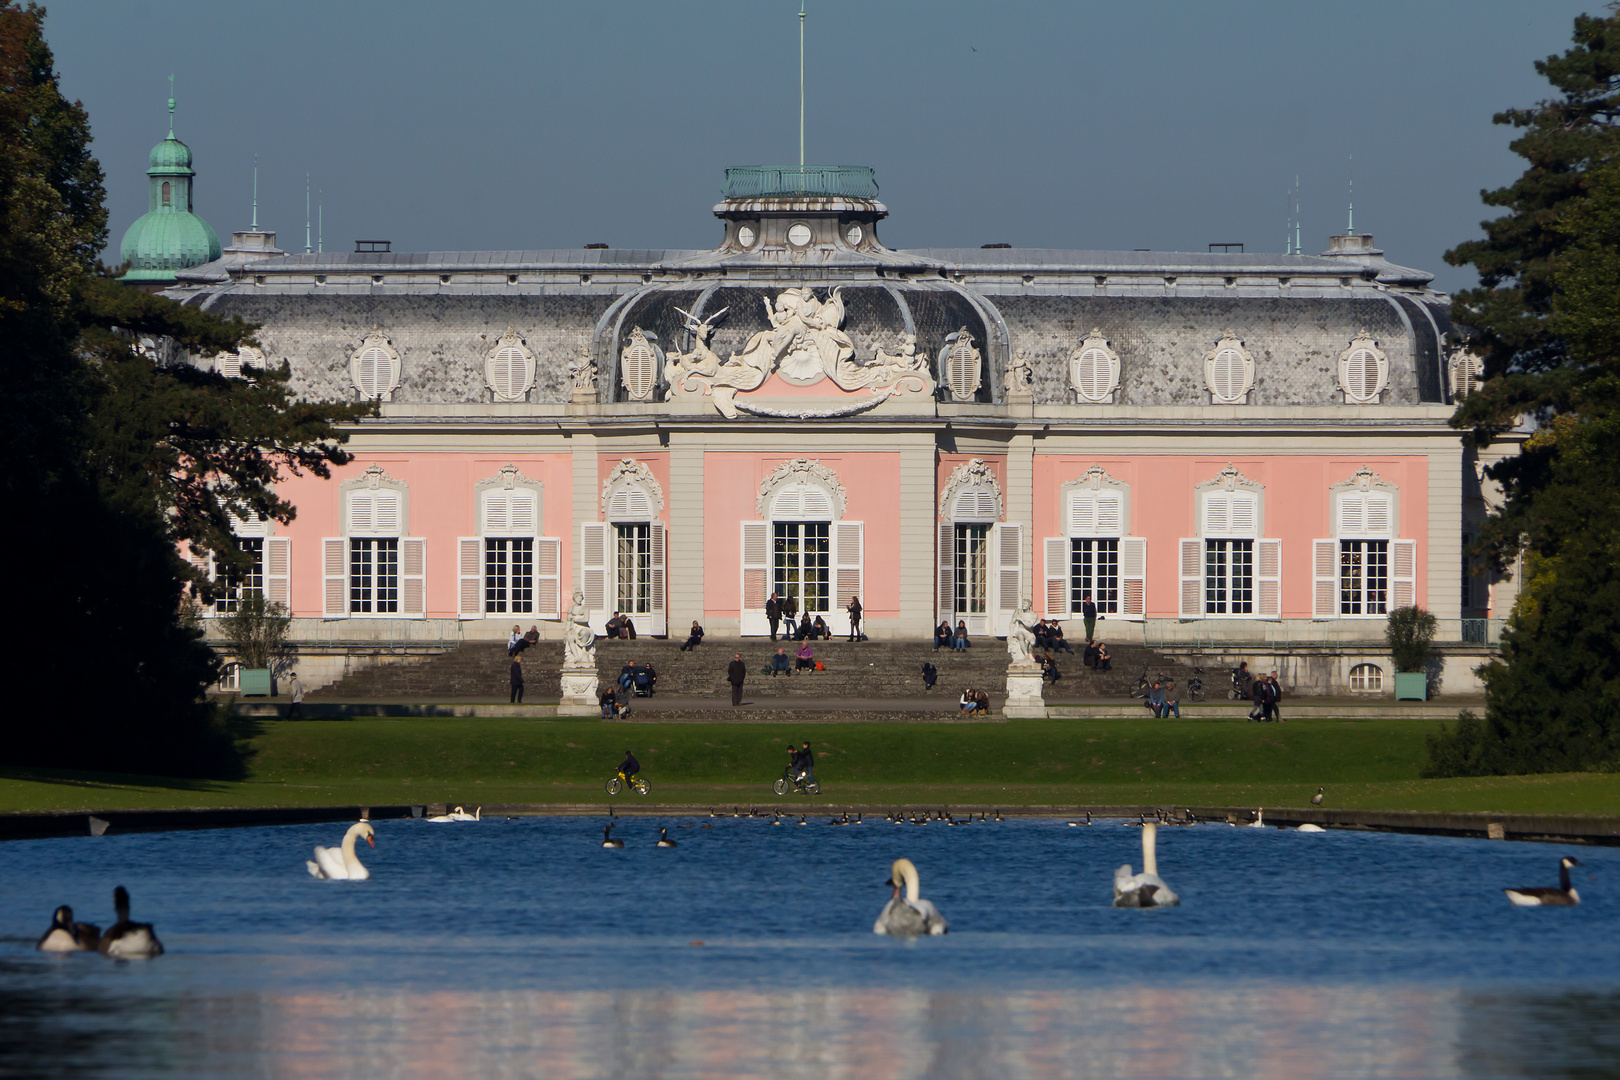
[[579, 642], [1021, 635]]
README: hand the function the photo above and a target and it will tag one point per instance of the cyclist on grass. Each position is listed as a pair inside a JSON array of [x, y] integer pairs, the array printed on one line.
[[628, 767]]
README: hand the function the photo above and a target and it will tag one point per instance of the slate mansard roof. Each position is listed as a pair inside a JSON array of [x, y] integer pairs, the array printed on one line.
[[1160, 311]]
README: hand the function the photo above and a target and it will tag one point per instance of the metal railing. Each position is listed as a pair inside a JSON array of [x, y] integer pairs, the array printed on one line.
[[759, 181]]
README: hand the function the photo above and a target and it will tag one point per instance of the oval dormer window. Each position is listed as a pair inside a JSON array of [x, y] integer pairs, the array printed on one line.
[[745, 236]]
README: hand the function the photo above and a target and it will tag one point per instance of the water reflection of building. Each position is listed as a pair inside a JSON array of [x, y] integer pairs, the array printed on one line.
[[1266, 1032]]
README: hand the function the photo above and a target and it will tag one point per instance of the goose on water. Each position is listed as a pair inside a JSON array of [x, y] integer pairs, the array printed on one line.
[[334, 864], [65, 935], [1085, 822], [1146, 889], [125, 939], [1563, 896], [608, 840], [909, 915], [664, 840]]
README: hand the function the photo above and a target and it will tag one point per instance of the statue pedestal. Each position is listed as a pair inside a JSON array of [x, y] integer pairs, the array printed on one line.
[[1024, 685], [578, 692]]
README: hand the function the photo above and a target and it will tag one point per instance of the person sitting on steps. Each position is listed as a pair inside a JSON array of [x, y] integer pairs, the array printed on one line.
[[609, 700], [1056, 634], [960, 640], [1162, 703], [514, 641], [967, 703], [930, 675], [779, 664], [1105, 662], [805, 658], [806, 631], [614, 628], [819, 630], [1049, 668], [943, 635], [694, 639], [627, 626], [981, 701]]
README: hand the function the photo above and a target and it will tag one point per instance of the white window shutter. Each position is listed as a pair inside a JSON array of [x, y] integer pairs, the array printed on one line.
[[658, 617], [1324, 579], [1082, 514], [1244, 515], [1402, 573], [470, 577], [1132, 577], [548, 577], [389, 513], [593, 569], [1217, 515], [334, 577], [497, 513], [1110, 515], [1008, 543], [1192, 579], [756, 577], [413, 577], [946, 555], [1378, 515], [1056, 560], [850, 573], [1268, 579], [278, 571], [362, 512], [817, 505]]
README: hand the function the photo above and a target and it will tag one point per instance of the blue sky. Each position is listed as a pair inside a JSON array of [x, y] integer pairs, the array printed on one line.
[[1082, 124]]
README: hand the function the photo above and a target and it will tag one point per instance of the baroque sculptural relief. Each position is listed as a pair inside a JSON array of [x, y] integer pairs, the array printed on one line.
[[806, 344]]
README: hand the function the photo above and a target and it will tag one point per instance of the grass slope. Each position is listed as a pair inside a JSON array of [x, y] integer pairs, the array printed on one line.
[[1364, 764]]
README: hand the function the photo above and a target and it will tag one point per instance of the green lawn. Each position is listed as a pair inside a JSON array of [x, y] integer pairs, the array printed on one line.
[[1363, 763]]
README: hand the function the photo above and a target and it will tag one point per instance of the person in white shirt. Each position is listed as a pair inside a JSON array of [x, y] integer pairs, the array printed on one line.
[[512, 642], [295, 711]]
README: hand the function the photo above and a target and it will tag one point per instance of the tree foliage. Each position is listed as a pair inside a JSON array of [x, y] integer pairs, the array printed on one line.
[[1546, 318], [1409, 633], [116, 456]]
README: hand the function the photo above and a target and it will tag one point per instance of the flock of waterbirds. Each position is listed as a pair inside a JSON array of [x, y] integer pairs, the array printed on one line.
[[906, 914]]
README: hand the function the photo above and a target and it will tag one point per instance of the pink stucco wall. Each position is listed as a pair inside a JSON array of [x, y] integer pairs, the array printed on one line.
[[1296, 510], [440, 510], [731, 487]]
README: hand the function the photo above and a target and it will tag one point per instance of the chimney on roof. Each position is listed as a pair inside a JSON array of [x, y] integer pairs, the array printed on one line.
[[1351, 244], [595, 247], [372, 246]]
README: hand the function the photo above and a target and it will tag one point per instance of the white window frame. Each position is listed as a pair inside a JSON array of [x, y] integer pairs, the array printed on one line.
[[509, 368], [1094, 370], [1363, 359], [1229, 351], [509, 506], [961, 367], [1231, 507], [1363, 508], [230, 364], [374, 368], [1371, 676], [374, 506], [1096, 507], [640, 361]]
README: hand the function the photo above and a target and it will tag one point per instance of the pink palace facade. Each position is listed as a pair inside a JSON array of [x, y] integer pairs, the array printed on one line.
[[1236, 453]]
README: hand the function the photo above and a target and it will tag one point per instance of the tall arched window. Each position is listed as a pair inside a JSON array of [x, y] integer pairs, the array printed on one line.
[[509, 569], [166, 193], [803, 549], [1363, 570], [624, 556], [981, 557], [1229, 570], [374, 568]]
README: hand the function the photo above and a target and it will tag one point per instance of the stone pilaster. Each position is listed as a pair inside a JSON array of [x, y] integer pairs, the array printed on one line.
[[587, 500], [918, 537], [686, 540]]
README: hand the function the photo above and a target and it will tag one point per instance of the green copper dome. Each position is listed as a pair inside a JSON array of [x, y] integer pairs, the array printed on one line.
[[171, 155], [169, 236]]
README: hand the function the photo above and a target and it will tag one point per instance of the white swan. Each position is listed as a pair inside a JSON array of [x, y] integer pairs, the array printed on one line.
[[335, 865], [458, 814], [1308, 827], [908, 916], [1259, 821], [1146, 889], [125, 939]]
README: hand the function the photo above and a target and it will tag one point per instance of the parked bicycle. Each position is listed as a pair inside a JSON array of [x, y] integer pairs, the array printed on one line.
[[1144, 685], [1195, 685], [619, 780]]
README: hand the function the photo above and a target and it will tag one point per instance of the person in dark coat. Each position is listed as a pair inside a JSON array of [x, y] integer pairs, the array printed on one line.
[[614, 628], [930, 675], [773, 612], [790, 613], [695, 638], [736, 672], [806, 631], [1088, 612], [855, 610], [1055, 632], [943, 635], [517, 679], [1259, 692]]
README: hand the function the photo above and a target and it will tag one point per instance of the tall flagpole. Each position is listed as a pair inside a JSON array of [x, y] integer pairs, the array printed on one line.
[[801, 84]]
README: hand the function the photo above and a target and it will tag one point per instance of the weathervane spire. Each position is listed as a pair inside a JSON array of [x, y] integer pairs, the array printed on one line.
[[306, 214], [255, 225], [171, 104], [1350, 223], [801, 83]]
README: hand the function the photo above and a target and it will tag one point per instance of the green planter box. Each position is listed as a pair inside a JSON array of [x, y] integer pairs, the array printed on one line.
[[1409, 686], [255, 682]]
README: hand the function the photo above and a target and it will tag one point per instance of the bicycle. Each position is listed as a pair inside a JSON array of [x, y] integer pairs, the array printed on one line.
[[617, 783], [800, 782], [1195, 685], [1144, 685]]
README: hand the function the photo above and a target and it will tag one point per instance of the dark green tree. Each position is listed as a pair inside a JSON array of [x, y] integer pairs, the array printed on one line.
[[118, 453], [1547, 321]]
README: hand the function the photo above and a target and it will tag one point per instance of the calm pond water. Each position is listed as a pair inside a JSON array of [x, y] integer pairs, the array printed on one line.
[[522, 948]]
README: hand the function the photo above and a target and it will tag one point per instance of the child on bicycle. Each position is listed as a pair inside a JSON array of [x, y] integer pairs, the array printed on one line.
[[629, 767]]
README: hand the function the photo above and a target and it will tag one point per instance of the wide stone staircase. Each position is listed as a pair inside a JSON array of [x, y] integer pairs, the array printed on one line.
[[854, 670]]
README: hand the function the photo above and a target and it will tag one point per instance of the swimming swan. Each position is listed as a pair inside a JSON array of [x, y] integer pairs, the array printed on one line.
[[1563, 896], [1146, 889], [908, 916], [65, 935], [334, 865], [125, 939], [1259, 821], [458, 814], [1308, 827]]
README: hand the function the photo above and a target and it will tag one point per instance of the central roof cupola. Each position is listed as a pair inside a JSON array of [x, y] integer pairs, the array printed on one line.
[[805, 213], [169, 236]]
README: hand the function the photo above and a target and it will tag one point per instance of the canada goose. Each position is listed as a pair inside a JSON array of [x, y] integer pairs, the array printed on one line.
[[342, 864], [1316, 800], [607, 839], [65, 935], [1146, 889], [664, 840], [1076, 823], [1563, 896], [908, 916], [125, 939], [777, 820], [801, 821]]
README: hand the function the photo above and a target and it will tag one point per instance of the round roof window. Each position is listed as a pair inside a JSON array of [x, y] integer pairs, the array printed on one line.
[[745, 236], [799, 235]]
